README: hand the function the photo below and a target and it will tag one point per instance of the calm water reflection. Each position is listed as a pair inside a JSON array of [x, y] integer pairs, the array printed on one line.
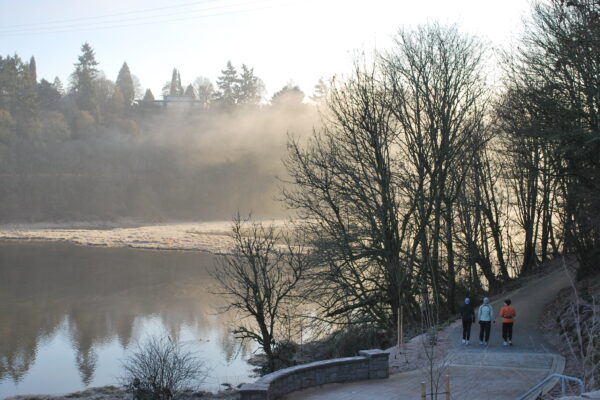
[[69, 314]]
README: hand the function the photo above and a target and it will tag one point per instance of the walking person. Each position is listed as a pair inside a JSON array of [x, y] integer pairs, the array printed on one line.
[[508, 314], [468, 317], [485, 315]]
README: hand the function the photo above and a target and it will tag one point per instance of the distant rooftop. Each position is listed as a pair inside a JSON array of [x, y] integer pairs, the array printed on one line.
[[169, 101]]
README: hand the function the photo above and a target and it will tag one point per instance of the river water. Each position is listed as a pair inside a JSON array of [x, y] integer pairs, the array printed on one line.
[[70, 314]]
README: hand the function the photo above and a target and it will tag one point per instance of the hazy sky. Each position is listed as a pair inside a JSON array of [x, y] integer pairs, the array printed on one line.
[[283, 40]]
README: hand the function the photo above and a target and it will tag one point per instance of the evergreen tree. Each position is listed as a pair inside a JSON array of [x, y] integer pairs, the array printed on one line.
[[27, 95], [18, 92], [179, 87], [148, 96], [228, 84], [148, 105], [250, 87], [58, 85], [8, 91], [189, 91], [175, 88], [125, 85], [9, 81], [28, 85], [82, 80], [32, 69]]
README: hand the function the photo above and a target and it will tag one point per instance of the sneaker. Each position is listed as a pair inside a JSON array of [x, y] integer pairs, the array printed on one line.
[[485, 343], [481, 343], [505, 343], [467, 342], [510, 342], [463, 341]]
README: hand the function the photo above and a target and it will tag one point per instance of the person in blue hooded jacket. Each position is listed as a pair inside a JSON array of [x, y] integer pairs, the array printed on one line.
[[486, 317], [467, 314]]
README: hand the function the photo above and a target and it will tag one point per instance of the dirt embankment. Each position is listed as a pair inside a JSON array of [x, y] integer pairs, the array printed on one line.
[[572, 325]]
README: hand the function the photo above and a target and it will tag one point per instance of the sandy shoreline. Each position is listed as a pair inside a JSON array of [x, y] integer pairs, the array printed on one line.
[[211, 237], [114, 392]]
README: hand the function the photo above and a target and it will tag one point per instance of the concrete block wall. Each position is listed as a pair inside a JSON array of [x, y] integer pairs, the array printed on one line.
[[378, 363], [369, 364]]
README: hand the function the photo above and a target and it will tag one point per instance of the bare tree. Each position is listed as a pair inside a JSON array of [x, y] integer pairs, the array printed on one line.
[[204, 90], [261, 278], [378, 184], [553, 101], [439, 102], [345, 191], [437, 361]]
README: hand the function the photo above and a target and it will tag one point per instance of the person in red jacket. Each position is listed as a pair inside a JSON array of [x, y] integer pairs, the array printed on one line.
[[508, 315]]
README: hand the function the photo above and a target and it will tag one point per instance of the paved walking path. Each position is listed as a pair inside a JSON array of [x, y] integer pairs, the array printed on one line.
[[494, 372]]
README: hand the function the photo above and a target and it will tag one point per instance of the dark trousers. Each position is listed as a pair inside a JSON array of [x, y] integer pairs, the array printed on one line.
[[467, 329], [484, 331], [507, 331]]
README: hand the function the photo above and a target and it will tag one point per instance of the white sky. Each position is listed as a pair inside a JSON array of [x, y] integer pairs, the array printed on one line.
[[283, 40]]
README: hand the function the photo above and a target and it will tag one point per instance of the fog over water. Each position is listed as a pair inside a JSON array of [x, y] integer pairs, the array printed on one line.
[[69, 314]]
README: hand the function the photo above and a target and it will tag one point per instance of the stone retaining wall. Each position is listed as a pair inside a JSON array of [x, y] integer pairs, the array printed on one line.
[[369, 364]]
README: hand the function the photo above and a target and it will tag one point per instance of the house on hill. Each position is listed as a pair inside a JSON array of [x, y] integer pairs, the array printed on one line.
[[177, 102]]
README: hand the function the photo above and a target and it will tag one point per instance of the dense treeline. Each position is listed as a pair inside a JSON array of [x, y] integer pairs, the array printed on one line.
[[426, 182], [550, 113], [97, 149], [388, 188]]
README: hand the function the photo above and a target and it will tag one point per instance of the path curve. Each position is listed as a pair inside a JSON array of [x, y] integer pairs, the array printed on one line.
[[494, 372]]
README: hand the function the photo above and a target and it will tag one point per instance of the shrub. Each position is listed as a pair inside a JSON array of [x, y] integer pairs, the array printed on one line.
[[347, 342], [83, 123], [55, 126], [160, 368], [128, 127]]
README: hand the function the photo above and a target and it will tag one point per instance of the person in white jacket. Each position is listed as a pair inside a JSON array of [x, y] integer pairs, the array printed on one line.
[[486, 317]]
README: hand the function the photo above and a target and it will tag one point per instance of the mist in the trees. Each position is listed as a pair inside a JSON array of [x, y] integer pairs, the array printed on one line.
[[105, 150]]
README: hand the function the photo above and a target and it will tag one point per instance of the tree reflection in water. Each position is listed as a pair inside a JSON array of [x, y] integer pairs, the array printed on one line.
[[97, 296]]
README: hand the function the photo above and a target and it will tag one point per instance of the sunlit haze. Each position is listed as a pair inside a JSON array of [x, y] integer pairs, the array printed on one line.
[[283, 40], [301, 199]]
